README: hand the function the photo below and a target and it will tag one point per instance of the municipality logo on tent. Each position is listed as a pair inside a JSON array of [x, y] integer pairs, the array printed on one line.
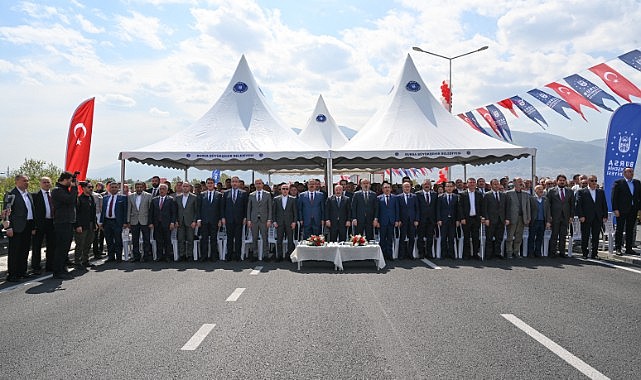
[[240, 87], [413, 86]]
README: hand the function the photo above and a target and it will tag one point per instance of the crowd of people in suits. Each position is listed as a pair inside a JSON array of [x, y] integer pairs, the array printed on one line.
[[408, 216]]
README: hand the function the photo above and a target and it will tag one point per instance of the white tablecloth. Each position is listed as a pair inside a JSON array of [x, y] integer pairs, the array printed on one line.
[[337, 254]]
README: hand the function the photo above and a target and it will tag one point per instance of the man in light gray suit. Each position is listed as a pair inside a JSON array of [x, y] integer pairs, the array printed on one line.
[[259, 217], [285, 214], [138, 221], [187, 212], [517, 216]]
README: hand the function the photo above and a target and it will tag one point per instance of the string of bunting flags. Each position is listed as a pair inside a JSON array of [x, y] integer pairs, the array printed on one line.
[[576, 91]]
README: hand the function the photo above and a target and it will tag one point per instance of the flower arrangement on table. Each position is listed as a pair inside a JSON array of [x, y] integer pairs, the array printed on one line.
[[316, 241], [358, 240]]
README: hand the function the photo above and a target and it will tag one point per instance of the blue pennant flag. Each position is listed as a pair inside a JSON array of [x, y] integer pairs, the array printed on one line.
[[501, 121], [632, 58], [551, 101], [470, 116], [590, 91], [215, 175], [529, 110]]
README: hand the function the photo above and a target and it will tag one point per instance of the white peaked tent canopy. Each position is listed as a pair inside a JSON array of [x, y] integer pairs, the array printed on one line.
[[321, 131], [415, 130], [239, 132]]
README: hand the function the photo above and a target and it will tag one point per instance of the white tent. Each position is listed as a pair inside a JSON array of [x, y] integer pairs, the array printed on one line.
[[415, 130], [321, 131], [239, 132]]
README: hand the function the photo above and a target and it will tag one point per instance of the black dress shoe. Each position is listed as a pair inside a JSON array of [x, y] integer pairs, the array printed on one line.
[[110, 260], [62, 276], [12, 279], [97, 257], [36, 272], [88, 265]]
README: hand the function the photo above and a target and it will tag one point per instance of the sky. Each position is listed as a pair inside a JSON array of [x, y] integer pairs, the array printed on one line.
[[156, 66]]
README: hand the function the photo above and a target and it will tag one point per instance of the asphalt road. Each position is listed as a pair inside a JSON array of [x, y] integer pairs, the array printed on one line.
[[407, 321]]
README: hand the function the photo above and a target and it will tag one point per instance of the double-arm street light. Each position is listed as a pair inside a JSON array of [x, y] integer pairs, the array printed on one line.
[[416, 48]]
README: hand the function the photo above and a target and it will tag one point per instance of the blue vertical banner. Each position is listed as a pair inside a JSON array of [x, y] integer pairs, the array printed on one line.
[[215, 175], [621, 145]]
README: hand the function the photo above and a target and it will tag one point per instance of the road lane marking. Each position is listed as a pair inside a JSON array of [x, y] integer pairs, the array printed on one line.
[[10, 288], [235, 295], [198, 337], [607, 264], [256, 270], [430, 264], [561, 352]]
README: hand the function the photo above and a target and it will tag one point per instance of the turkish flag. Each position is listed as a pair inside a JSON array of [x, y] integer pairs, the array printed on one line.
[[490, 120], [617, 82], [79, 140], [574, 99], [507, 103]]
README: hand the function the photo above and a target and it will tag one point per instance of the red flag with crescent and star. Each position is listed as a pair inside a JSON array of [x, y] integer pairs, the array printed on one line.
[[79, 140], [574, 99], [617, 82]]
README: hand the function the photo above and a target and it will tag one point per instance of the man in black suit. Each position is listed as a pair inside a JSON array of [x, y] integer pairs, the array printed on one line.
[[448, 214], [210, 206], [64, 197], [364, 210], [427, 220], [85, 225], [43, 219], [471, 208], [234, 218], [562, 209], [154, 189], [388, 219], [162, 219], [592, 210], [113, 219], [626, 199], [285, 215], [409, 215], [21, 225], [337, 215], [493, 215]]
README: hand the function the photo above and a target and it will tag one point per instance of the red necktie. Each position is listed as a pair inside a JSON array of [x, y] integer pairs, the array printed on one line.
[[161, 201]]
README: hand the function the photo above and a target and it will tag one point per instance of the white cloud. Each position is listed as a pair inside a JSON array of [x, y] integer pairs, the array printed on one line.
[[158, 113], [138, 27], [118, 100], [88, 26], [38, 11]]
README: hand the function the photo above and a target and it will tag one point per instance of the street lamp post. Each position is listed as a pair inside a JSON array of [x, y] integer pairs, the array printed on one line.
[[450, 59]]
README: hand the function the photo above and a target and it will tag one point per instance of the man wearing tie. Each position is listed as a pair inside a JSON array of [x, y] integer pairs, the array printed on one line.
[[187, 219], [517, 216], [285, 215], [112, 220], [626, 199], [43, 219], [541, 220], [409, 216], [154, 190], [210, 211], [138, 221], [364, 210], [448, 214], [592, 210], [259, 217], [162, 218], [311, 209], [388, 219], [562, 210], [471, 204], [494, 207], [20, 227], [337, 215], [427, 219], [234, 218]]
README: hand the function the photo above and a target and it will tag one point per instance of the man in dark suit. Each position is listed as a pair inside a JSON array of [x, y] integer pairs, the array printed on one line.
[[494, 208], [162, 219], [427, 220], [626, 201], [562, 211], [234, 218], [337, 215], [187, 220], [471, 209], [364, 210], [154, 190], [112, 220], [409, 216], [139, 204], [85, 225], [43, 219], [541, 220], [285, 215], [388, 218], [64, 197], [448, 214], [210, 206], [21, 225], [311, 209], [592, 210]]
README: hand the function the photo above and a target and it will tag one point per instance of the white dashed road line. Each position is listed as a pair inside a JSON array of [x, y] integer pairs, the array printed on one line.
[[256, 270], [607, 264], [430, 264], [198, 337], [561, 352], [235, 295]]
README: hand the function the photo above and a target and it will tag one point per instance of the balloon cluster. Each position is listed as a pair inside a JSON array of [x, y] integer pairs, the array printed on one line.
[[446, 93]]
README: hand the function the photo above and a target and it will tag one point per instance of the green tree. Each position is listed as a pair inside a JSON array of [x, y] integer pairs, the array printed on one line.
[[34, 169]]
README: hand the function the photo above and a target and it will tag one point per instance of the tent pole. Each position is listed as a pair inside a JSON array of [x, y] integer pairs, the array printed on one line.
[[253, 175], [533, 168], [186, 172], [122, 176], [329, 178], [464, 172]]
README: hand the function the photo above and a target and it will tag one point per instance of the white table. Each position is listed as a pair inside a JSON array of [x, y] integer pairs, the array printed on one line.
[[338, 254]]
